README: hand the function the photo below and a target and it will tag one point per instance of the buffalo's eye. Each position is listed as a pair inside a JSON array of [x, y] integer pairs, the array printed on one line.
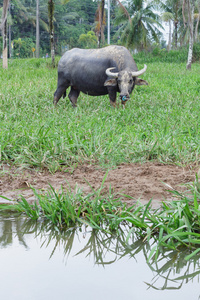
[[131, 81]]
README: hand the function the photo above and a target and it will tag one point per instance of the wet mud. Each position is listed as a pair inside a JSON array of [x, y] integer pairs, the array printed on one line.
[[140, 181]]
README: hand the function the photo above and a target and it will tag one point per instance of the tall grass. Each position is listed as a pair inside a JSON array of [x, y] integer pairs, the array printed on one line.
[[160, 121]]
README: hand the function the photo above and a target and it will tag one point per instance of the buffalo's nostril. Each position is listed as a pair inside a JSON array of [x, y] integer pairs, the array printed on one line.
[[124, 97]]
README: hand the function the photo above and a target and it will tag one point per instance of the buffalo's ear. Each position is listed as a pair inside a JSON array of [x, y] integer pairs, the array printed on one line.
[[140, 81], [110, 82]]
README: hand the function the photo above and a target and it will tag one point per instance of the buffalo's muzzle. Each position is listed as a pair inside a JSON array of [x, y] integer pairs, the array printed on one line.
[[124, 100]]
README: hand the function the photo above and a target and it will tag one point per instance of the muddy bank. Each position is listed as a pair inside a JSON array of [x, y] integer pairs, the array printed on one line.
[[144, 181]]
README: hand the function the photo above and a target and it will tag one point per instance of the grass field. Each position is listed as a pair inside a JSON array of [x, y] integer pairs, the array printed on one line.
[[161, 121]]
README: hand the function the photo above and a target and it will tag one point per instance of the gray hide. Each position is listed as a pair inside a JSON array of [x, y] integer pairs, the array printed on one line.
[[98, 72]]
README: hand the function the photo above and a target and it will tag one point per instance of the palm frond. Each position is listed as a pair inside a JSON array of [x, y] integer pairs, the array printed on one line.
[[123, 8]]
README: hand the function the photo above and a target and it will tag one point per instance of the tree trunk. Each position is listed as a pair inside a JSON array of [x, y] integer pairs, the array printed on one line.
[[197, 24], [191, 4], [9, 35], [108, 22], [101, 11], [37, 30], [51, 30], [176, 33], [170, 37], [5, 47], [4, 33]]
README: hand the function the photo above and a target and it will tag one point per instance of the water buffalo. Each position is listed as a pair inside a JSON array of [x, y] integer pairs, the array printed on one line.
[[98, 72]]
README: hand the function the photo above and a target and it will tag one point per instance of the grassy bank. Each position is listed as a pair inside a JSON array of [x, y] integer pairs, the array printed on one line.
[[175, 226], [161, 121]]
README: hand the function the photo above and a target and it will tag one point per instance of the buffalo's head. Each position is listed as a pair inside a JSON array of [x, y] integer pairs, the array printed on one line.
[[125, 80]]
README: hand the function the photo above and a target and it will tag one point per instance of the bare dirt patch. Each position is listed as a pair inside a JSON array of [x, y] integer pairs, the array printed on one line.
[[144, 181]]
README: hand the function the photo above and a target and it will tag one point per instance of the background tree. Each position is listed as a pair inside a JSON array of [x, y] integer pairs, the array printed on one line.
[[141, 28], [51, 30], [190, 12], [37, 29], [71, 19], [197, 18], [101, 22], [172, 13], [88, 40], [102, 18], [168, 17], [175, 8], [134, 24], [9, 30], [4, 33]]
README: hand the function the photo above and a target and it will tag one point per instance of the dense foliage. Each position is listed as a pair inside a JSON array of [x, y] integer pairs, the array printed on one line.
[[141, 26], [76, 23], [70, 21]]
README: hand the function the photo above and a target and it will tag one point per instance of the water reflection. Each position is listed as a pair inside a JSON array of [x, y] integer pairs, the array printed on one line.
[[10, 227], [171, 271]]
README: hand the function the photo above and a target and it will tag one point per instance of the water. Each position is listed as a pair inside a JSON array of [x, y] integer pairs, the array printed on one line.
[[36, 263]]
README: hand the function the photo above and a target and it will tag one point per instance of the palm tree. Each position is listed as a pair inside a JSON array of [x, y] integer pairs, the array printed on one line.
[[168, 17], [51, 30], [190, 5], [37, 29], [100, 22], [51, 6], [142, 26], [4, 33], [173, 8], [101, 19]]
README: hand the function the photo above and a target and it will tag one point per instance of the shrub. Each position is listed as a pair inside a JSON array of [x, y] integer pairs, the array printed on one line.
[[88, 40], [196, 52], [162, 55], [23, 47]]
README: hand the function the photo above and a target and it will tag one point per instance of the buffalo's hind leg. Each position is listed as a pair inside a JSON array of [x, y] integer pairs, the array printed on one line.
[[73, 96], [64, 95], [61, 91]]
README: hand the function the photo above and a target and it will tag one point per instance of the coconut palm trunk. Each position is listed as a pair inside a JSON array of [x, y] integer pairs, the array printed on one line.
[[169, 46], [191, 5], [101, 19], [4, 33], [51, 30], [101, 12], [9, 33], [168, 17], [37, 30]]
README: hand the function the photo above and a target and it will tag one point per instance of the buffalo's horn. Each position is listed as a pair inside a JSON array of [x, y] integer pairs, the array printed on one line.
[[113, 75], [138, 73]]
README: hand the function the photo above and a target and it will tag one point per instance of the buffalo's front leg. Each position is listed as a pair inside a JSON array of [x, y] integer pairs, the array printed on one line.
[[112, 96], [73, 96]]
